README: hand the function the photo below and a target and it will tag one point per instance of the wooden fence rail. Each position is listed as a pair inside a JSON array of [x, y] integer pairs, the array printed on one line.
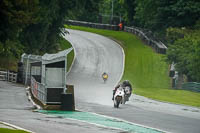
[[8, 76]]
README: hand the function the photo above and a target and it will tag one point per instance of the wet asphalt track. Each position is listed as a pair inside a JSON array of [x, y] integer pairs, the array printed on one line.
[[96, 54], [94, 96], [16, 109]]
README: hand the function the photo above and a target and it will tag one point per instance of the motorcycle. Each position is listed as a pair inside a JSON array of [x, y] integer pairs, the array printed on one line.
[[119, 97], [105, 77]]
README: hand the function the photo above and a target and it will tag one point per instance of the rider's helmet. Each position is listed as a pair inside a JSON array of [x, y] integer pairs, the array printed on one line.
[[125, 83]]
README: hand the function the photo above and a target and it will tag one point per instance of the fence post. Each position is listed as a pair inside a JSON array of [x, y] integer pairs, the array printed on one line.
[[8, 73], [27, 67], [173, 82], [12, 77]]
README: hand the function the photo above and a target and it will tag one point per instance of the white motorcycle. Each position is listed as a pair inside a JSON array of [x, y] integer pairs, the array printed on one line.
[[119, 97]]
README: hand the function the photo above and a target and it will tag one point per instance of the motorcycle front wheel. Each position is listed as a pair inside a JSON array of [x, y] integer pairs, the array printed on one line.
[[117, 105]]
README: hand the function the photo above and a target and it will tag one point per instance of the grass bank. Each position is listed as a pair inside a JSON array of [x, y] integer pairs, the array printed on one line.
[[64, 44], [6, 130], [147, 70]]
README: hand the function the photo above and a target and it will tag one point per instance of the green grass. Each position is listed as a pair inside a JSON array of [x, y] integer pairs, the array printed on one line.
[[70, 58], [64, 44], [8, 63], [147, 70], [5, 130]]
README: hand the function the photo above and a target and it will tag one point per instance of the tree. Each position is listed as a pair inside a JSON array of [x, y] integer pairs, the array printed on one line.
[[145, 13], [43, 35], [129, 10], [14, 15], [157, 15], [87, 10], [31, 26], [185, 52]]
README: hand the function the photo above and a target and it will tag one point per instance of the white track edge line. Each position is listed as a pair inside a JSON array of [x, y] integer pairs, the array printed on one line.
[[16, 127]]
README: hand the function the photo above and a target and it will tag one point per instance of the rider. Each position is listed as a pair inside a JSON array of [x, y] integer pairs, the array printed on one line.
[[105, 76], [123, 84]]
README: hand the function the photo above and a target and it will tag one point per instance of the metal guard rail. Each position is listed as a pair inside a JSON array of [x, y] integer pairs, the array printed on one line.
[[150, 40]]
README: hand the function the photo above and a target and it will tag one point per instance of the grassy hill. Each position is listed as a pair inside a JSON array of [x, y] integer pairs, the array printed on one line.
[[64, 44], [147, 70]]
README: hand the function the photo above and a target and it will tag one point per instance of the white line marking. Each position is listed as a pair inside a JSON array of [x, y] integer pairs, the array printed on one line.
[[16, 127]]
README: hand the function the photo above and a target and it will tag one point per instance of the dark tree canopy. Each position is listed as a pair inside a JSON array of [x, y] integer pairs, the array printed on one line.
[[31, 26], [34, 26], [87, 10], [44, 34], [14, 16], [156, 14]]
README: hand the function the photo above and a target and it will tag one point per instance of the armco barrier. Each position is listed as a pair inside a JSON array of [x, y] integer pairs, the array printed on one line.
[[156, 44], [144, 35], [93, 25]]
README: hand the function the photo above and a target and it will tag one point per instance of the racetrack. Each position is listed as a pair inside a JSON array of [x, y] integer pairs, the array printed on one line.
[[96, 54], [92, 95], [17, 110]]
